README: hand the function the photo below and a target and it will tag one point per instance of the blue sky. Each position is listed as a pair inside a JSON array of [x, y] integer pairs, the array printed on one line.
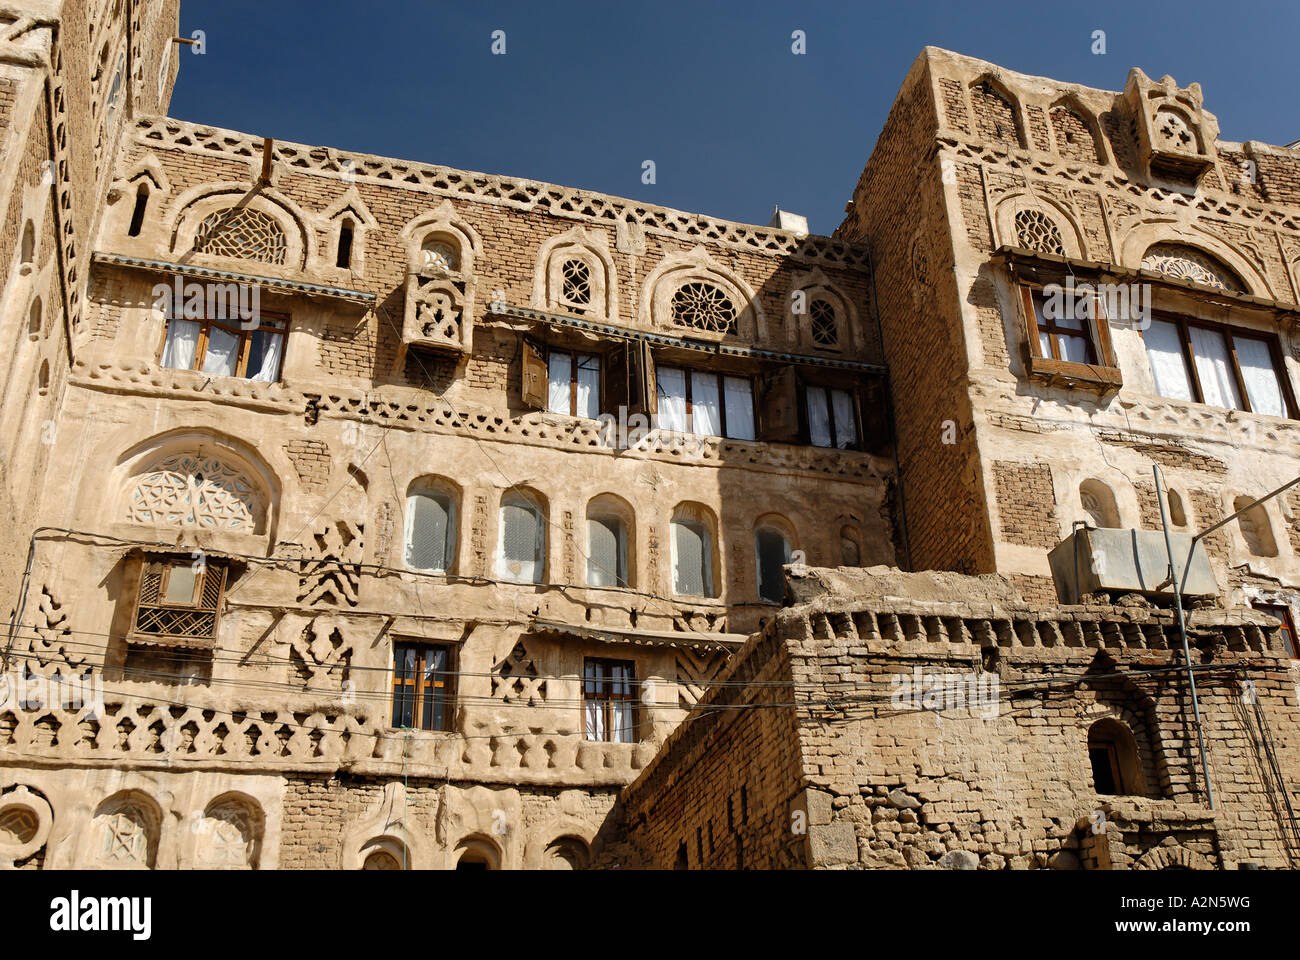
[[708, 90]]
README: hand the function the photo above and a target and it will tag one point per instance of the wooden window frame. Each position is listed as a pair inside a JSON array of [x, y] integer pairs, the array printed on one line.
[[610, 697], [418, 685], [721, 377], [210, 568], [1094, 330], [1229, 332], [245, 341], [1116, 775], [573, 355], [1283, 614], [805, 422]]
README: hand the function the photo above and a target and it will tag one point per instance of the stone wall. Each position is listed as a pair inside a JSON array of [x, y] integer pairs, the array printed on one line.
[[937, 732]]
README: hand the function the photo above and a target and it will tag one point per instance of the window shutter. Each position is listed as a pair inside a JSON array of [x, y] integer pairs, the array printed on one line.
[[630, 378], [688, 569], [426, 539], [535, 382], [779, 407]]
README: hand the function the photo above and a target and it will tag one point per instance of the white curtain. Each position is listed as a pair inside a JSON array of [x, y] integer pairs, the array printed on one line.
[[706, 418], [670, 384], [272, 345], [1165, 354], [846, 427], [1214, 368], [595, 720], [739, 397], [819, 421], [559, 376], [222, 357], [1262, 388], [1073, 349], [588, 386], [182, 341]]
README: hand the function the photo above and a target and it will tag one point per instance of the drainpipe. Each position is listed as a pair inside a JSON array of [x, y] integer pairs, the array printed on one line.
[[1182, 625]]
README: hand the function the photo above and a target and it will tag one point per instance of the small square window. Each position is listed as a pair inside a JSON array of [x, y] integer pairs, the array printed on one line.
[[422, 686]]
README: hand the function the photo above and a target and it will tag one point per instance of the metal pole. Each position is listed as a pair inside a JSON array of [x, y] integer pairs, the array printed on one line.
[[1182, 626]]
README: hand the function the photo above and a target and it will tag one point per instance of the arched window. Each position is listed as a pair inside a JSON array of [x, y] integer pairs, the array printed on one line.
[[43, 380], [566, 853], [1036, 231], [850, 547], [346, 230], [1182, 262], [609, 521], [522, 548], [440, 252], [1177, 512], [477, 853], [126, 832], [431, 527], [1099, 504], [34, 320], [28, 255], [137, 214], [381, 860], [692, 552], [1255, 528], [246, 233], [771, 554], [823, 323], [1112, 752], [231, 834], [197, 490], [703, 306]]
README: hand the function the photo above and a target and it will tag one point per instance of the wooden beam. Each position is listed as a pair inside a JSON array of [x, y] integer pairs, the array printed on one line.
[[267, 145]]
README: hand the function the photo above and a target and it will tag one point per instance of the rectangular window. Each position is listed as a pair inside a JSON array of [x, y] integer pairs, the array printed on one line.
[[573, 383], [705, 403], [421, 686], [832, 417], [1217, 365], [221, 348], [179, 600], [609, 700], [1283, 617], [1061, 334]]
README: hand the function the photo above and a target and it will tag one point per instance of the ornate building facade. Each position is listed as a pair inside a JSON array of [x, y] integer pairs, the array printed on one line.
[[368, 513]]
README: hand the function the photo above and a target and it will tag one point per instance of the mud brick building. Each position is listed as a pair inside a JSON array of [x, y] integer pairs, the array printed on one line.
[[369, 513]]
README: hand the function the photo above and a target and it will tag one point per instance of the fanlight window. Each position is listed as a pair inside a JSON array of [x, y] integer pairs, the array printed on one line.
[[194, 491], [702, 306], [440, 255], [246, 234], [1036, 232], [1186, 263], [821, 316]]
